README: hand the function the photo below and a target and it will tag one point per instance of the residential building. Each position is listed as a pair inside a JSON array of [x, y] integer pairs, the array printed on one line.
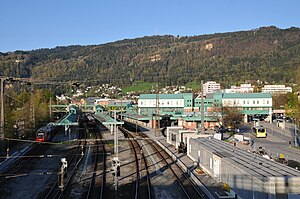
[[276, 89], [243, 88], [211, 87]]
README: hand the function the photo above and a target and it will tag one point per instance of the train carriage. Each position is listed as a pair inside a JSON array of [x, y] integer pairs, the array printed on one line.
[[44, 133]]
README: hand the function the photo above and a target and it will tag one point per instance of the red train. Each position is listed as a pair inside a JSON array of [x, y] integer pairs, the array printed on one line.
[[44, 133]]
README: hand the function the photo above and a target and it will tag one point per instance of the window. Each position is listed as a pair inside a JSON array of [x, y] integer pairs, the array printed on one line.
[[257, 102], [253, 102]]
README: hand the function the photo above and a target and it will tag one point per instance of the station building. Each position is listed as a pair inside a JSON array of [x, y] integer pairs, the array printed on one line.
[[252, 105], [185, 110]]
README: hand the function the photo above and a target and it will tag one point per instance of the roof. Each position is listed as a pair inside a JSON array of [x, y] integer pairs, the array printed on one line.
[[104, 118], [166, 96], [248, 162], [198, 118], [69, 120], [138, 117], [246, 95]]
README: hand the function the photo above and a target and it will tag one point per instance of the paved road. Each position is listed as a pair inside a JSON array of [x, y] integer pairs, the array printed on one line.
[[287, 134], [277, 142]]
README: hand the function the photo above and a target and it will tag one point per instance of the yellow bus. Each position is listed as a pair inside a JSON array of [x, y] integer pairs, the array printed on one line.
[[260, 132]]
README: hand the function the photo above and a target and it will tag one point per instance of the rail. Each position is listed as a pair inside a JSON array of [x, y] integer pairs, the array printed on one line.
[[194, 189], [134, 143], [72, 158]]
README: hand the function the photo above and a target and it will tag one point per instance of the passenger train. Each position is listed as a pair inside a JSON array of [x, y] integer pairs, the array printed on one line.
[[44, 133]]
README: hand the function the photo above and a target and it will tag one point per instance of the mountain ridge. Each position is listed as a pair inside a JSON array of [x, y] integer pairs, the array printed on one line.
[[267, 54]]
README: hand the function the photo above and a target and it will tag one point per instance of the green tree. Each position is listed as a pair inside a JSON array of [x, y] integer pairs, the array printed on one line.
[[232, 116]]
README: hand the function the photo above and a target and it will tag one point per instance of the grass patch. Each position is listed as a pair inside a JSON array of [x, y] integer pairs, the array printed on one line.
[[139, 86], [68, 142], [193, 85]]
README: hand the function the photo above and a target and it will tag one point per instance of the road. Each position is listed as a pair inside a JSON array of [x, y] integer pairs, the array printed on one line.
[[277, 142]]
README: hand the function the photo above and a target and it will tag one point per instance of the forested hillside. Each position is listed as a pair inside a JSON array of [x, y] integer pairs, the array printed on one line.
[[268, 54]]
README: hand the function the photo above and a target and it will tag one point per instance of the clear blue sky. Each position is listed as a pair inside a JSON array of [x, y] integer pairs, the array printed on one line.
[[34, 24]]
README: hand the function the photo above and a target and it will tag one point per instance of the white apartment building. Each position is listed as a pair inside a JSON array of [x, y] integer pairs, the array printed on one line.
[[210, 87], [243, 88], [276, 89]]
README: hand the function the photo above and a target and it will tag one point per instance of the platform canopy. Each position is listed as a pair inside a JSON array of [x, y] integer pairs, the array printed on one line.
[[105, 119], [70, 120]]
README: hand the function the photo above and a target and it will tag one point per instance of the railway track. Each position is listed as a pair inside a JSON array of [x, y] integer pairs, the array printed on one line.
[[22, 165], [74, 157], [188, 187], [97, 185], [186, 184], [142, 186]]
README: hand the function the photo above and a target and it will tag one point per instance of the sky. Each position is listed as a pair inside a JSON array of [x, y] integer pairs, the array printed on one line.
[[35, 24]]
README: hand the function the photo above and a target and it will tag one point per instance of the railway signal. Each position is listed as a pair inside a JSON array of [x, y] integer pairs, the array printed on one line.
[[63, 168], [116, 167]]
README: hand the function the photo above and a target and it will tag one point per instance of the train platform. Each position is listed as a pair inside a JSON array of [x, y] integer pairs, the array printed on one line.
[[207, 184]]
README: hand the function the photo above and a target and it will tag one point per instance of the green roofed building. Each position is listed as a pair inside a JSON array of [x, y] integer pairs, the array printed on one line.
[[171, 104], [252, 105]]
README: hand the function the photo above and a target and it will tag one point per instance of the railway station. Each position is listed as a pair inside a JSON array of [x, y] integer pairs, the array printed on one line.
[[130, 137]]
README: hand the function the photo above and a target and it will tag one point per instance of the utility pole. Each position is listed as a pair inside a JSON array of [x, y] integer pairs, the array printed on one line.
[[116, 162], [50, 108], [202, 108], [121, 109], [295, 134], [157, 121], [115, 134], [2, 110], [32, 106]]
